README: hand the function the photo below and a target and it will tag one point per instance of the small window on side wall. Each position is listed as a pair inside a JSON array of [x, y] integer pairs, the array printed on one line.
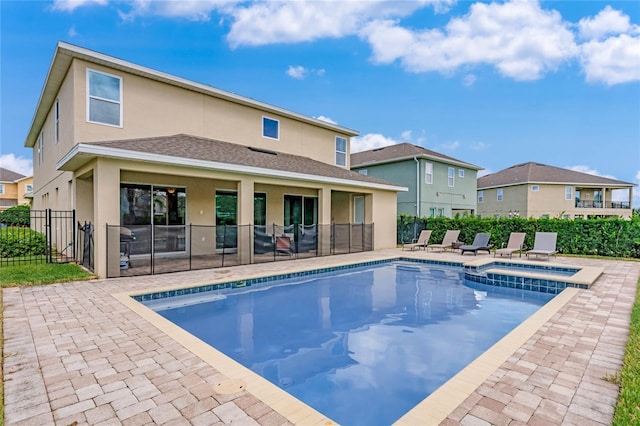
[[28, 188], [1, 188], [428, 173], [270, 128], [568, 192], [341, 151], [480, 197], [363, 172], [500, 196], [535, 188], [461, 173]]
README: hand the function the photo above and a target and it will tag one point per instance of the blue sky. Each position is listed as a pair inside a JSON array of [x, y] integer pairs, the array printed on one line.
[[492, 83]]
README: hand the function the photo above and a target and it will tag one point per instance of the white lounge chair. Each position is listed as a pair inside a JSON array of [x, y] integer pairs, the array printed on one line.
[[544, 244], [515, 244], [450, 237], [422, 241]]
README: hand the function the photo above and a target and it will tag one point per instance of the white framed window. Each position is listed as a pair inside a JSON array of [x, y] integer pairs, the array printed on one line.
[[432, 212], [341, 151], [428, 173], [451, 176], [461, 173], [500, 193], [568, 192], [358, 209], [270, 128], [28, 188], [440, 212], [104, 98], [41, 148], [363, 172], [57, 119], [535, 188], [480, 196], [1, 188]]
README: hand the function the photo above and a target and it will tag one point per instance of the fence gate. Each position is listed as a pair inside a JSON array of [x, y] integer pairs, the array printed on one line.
[[37, 236]]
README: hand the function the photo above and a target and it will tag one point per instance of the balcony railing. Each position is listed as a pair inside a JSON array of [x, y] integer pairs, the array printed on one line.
[[605, 205]]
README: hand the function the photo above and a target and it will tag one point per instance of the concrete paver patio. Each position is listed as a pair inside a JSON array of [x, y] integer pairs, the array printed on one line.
[[75, 355]]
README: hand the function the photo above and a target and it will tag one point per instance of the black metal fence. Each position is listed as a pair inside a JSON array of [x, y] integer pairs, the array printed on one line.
[[37, 236], [156, 249]]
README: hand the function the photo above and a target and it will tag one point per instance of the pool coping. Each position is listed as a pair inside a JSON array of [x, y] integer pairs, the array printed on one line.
[[433, 409]]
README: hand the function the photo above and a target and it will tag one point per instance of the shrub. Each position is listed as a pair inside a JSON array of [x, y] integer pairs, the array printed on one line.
[[602, 237], [20, 242], [16, 216]]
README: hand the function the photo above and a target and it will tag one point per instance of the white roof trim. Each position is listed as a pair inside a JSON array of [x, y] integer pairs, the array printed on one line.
[[580, 184], [123, 154]]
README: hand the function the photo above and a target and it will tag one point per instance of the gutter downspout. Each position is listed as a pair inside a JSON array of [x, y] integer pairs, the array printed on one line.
[[417, 186]]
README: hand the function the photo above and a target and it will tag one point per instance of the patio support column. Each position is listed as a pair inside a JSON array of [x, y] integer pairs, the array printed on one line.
[[324, 221], [106, 196], [604, 198], [245, 218]]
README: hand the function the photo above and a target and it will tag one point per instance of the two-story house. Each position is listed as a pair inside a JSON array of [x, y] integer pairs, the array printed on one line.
[[439, 185], [127, 145], [534, 190], [15, 189]]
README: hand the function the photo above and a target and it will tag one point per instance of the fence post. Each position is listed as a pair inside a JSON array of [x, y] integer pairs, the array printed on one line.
[[73, 234], [47, 227]]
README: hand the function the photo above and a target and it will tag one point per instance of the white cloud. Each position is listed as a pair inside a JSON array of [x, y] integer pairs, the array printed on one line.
[[612, 61], [21, 165], [71, 5], [586, 169], [479, 146], [298, 72], [406, 135], [484, 172], [370, 141], [260, 23], [519, 38], [72, 32], [326, 119], [469, 80], [607, 22]]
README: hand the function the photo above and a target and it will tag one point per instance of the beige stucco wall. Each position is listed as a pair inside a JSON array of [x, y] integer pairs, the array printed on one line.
[[152, 108], [548, 200]]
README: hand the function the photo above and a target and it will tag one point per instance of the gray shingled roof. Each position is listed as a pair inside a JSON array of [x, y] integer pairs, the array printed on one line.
[[203, 149], [541, 173], [402, 151], [9, 176]]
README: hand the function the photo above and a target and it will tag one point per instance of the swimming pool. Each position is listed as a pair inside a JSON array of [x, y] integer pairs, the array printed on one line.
[[362, 345]]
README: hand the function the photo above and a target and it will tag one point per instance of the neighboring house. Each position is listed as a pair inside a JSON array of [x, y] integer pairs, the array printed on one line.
[[533, 190], [438, 185], [126, 145], [15, 189]]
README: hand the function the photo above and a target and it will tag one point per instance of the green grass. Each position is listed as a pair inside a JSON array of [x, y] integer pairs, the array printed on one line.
[[627, 410], [41, 273]]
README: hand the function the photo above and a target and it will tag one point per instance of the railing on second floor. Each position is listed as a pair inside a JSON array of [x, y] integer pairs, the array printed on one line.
[[603, 205]]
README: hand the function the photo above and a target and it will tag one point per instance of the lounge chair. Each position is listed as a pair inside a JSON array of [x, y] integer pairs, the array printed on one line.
[[515, 243], [422, 241], [449, 238], [283, 245], [544, 244], [480, 242]]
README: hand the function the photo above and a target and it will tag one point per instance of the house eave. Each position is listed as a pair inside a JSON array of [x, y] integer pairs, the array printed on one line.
[[81, 154], [621, 185]]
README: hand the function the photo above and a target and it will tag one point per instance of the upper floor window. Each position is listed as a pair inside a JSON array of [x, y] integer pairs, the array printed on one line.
[[270, 128], [428, 172], [57, 119], [451, 174], [28, 188], [480, 196], [461, 173], [40, 147], [341, 151], [104, 105], [1, 188], [363, 172], [568, 192], [500, 194], [535, 188]]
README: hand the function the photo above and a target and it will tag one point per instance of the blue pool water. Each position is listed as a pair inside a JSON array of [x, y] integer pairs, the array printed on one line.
[[365, 345]]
